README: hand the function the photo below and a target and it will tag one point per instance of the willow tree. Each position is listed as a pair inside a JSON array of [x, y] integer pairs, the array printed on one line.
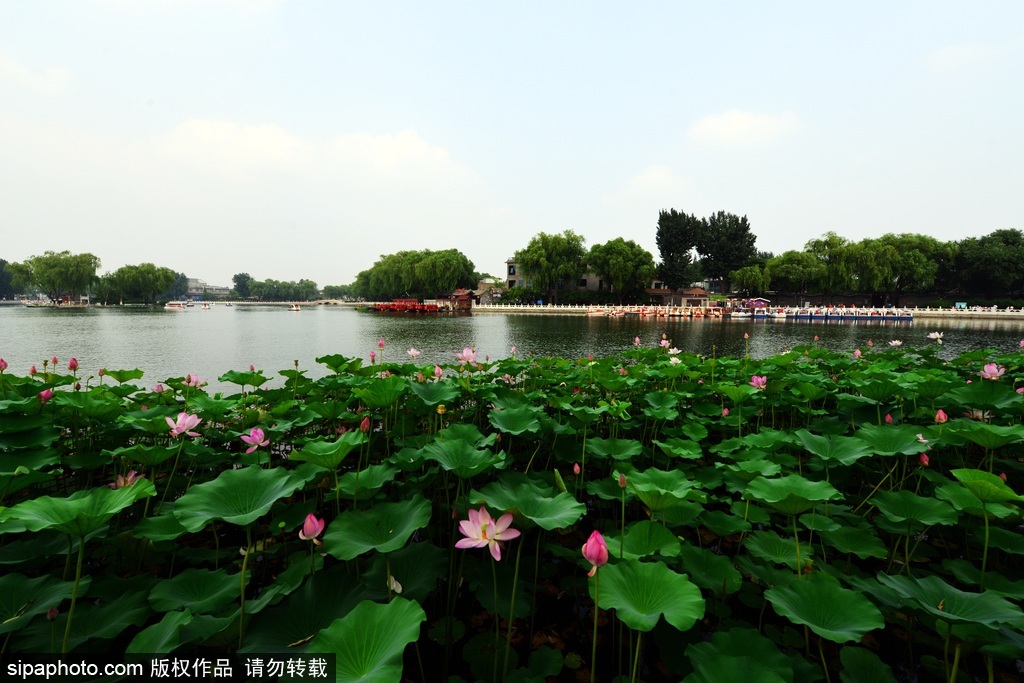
[[550, 262], [59, 274], [833, 254], [623, 263]]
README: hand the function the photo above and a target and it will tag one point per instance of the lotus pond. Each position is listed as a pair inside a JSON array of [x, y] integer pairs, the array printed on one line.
[[812, 516]]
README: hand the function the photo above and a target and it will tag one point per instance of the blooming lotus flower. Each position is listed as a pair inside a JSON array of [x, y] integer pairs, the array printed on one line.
[[923, 459], [674, 351], [992, 371], [935, 336], [664, 343], [759, 383], [482, 531], [394, 585], [184, 424], [940, 416], [595, 551], [623, 371], [468, 355], [311, 528], [413, 353], [895, 343], [513, 349], [45, 395], [73, 364], [194, 381], [123, 480], [3, 365], [674, 360], [255, 439], [856, 354]]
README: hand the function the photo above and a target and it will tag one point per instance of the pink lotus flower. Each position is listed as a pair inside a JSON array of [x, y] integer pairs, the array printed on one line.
[[856, 354], [255, 439], [636, 341], [920, 437], [184, 423], [364, 426], [380, 344], [622, 480], [3, 365], [54, 361], [870, 343], [73, 364], [923, 459], [815, 337], [1002, 475], [759, 383], [468, 355], [194, 381], [513, 350], [252, 368], [45, 395], [664, 343], [623, 371], [158, 389], [576, 468], [746, 336], [311, 528], [895, 343], [438, 372], [595, 551], [32, 371], [888, 419], [992, 371], [373, 357], [102, 372], [482, 531], [940, 416], [123, 480], [413, 353]]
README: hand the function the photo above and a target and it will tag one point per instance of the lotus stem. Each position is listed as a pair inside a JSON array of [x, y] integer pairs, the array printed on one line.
[[636, 657], [984, 554], [170, 477], [245, 565], [74, 594], [497, 623], [593, 646], [824, 664], [799, 561], [956, 664], [511, 612]]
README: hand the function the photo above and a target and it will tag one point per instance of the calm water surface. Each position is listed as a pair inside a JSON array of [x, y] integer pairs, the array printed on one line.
[[211, 342]]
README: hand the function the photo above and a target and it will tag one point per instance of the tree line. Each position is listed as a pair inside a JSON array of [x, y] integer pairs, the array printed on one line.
[[60, 275], [247, 287]]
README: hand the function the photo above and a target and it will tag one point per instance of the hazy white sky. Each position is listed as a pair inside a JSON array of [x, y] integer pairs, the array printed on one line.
[[305, 138]]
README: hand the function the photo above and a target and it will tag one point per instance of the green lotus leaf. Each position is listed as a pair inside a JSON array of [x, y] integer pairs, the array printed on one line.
[[95, 619], [328, 595], [149, 456], [211, 408], [845, 450], [162, 637], [714, 572], [717, 660], [892, 440], [22, 598], [833, 612], [694, 431], [382, 393], [808, 393], [680, 448], [19, 431], [988, 435], [723, 523], [159, 528], [986, 486], [32, 460], [200, 590], [418, 567], [339, 363], [964, 500], [747, 470], [936, 597], [150, 421], [900, 506], [1006, 540], [662, 405], [817, 522], [469, 433], [122, 376], [82, 512], [643, 539], [859, 542], [617, 449], [736, 394], [861, 665], [790, 495], [769, 546], [641, 592], [250, 378], [460, 457], [432, 393], [983, 395], [516, 420], [527, 498], [994, 582], [661, 490], [876, 390], [385, 527], [329, 454], [369, 641], [366, 483], [235, 496]]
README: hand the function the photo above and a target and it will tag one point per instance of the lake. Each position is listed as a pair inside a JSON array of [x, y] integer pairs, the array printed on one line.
[[211, 342]]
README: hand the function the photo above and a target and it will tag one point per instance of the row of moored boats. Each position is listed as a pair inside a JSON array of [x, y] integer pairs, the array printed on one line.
[[759, 313]]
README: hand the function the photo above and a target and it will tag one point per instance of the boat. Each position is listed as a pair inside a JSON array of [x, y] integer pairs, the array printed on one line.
[[229, 304], [294, 307], [174, 306], [205, 307]]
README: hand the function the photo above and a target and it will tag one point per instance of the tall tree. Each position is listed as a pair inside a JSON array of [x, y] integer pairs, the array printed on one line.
[[912, 264], [58, 274], [677, 237], [726, 244], [241, 284], [625, 264], [552, 261], [6, 278], [751, 279], [794, 271], [833, 253], [992, 265]]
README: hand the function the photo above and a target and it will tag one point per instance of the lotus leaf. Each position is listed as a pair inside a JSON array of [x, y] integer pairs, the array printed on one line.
[[641, 592], [382, 393], [717, 660], [900, 506], [329, 454], [516, 420], [643, 539], [162, 637], [845, 450], [833, 612], [986, 486], [661, 490], [200, 590], [460, 457], [892, 440], [861, 665], [859, 542], [982, 395], [792, 494], [769, 546], [366, 483], [80, 513], [680, 448], [385, 527], [710, 571], [22, 598], [433, 393], [235, 496], [530, 499], [369, 641], [936, 597], [617, 449], [149, 456]]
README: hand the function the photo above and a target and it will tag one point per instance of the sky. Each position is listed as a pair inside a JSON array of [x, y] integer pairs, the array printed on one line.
[[295, 139]]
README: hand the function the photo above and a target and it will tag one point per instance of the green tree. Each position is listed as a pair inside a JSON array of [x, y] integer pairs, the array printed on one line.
[[59, 274], [726, 244], [677, 237], [794, 271], [992, 265], [6, 279], [549, 262], [627, 266], [241, 285], [911, 262], [833, 254], [751, 279], [338, 291]]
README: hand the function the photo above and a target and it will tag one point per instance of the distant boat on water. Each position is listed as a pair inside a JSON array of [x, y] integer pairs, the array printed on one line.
[[174, 306]]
